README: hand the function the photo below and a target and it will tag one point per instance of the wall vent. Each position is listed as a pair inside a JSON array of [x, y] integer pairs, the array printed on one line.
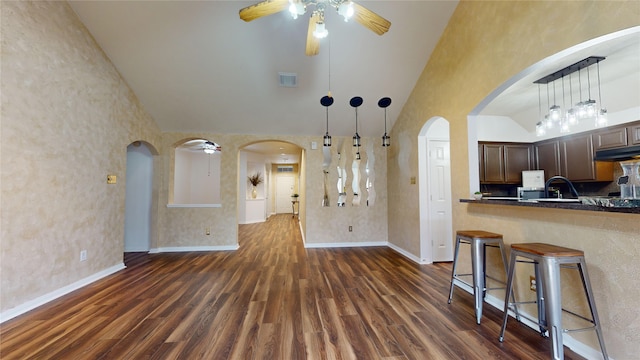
[[284, 168], [288, 79]]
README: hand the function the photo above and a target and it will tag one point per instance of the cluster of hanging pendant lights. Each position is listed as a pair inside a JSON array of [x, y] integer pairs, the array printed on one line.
[[355, 102], [563, 117]]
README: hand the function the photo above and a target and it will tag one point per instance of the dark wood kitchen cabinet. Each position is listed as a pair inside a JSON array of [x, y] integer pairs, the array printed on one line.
[[610, 138], [503, 163], [634, 134], [572, 157]]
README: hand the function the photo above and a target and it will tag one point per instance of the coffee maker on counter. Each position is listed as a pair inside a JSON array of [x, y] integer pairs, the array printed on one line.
[[629, 182]]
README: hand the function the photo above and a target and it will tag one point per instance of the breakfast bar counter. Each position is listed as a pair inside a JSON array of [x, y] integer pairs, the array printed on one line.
[[586, 204]]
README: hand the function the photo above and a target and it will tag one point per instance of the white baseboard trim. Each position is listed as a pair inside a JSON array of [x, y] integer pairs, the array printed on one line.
[[346, 244], [570, 342], [41, 300], [193, 248], [406, 254]]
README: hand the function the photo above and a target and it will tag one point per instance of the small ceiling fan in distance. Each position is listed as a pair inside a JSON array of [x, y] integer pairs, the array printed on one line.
[[317, 29]]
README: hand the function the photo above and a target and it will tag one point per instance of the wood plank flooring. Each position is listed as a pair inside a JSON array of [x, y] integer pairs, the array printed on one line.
[[271, 299]]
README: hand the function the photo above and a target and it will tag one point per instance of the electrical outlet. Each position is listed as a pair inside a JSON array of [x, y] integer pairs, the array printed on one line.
[[83, 255], [207, 231], [350, 228], [532, 283]]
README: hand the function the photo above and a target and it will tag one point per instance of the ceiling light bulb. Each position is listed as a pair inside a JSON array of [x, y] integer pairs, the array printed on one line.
[[321, 31], [590, 108], [555, 112], [540, 129], [296, 8], [564, 127], [602, 119], [346, 10], [572, 119]]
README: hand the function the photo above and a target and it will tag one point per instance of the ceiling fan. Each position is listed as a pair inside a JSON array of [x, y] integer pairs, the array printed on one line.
[[201, 145], [317, 29]]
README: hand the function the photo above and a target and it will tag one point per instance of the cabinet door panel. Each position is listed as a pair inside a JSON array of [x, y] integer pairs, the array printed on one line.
[[577, 158], [548, 158], [610, 139], [634, 134], [517, 158], [493, 156]]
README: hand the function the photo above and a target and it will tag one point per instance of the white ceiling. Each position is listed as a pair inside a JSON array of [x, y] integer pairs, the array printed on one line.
[[196, 67]]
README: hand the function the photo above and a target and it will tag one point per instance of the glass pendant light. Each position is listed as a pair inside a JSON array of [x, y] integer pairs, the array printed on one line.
[[571, 117], [590, 105], [555, 112], [602, 118], [540, 125]]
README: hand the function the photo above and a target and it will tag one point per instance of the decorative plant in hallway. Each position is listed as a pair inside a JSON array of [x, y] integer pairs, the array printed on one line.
[[255, 179]]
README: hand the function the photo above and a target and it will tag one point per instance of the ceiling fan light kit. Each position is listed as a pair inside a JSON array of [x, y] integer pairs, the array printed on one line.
[[317, 27], [584, 109]]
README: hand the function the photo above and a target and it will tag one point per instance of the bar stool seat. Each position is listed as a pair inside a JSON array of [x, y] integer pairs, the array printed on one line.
[[548, 290], [479, 241]]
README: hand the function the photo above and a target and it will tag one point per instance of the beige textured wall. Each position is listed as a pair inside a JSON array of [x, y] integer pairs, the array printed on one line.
[[181, 227], [485, 44], [67, 118]]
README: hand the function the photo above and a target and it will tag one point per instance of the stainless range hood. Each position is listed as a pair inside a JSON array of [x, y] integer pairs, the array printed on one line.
[[619, 154]]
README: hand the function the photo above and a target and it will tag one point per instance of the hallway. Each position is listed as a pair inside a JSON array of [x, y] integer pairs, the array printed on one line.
[[271, 299]]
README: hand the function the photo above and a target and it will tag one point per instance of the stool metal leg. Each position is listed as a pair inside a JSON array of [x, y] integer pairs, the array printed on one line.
[[453, 270], [506, 271], [477, 263], [550, 271], [509, 291], [542, 316], [582, 266]]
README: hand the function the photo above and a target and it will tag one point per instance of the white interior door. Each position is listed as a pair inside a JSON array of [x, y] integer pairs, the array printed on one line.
[[284, 189], [440, 200]]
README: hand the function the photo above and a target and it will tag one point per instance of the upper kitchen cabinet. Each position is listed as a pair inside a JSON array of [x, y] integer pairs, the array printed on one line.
[[548, 157], [503, 163], [609, 138], [572, 157], [633, 132]]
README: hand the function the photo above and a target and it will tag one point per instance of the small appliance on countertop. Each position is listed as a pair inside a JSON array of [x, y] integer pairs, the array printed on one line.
[[532, 185]]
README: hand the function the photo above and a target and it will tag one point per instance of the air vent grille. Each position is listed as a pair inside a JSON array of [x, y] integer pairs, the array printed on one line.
[[288, 79], [285, 169]]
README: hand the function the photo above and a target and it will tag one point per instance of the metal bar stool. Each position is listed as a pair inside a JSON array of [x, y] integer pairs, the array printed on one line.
[[479, 241], [548, 291]]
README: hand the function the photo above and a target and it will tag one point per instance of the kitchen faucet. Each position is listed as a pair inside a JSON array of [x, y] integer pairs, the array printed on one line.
[[552, 179]]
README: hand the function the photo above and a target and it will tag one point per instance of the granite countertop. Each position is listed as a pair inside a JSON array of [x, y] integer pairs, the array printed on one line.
[[603, 204]]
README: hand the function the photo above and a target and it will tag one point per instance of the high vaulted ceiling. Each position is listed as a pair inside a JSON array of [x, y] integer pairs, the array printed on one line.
[[196, 67]]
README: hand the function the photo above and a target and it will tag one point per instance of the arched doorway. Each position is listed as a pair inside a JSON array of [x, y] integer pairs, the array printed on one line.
[[138, 199], [436, 233], [281, 167]]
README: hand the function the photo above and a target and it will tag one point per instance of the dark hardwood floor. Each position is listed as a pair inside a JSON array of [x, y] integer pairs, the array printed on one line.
[[271, 299]]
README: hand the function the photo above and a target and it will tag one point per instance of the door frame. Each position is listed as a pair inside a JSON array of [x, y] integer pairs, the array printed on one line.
[[427, 133]]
